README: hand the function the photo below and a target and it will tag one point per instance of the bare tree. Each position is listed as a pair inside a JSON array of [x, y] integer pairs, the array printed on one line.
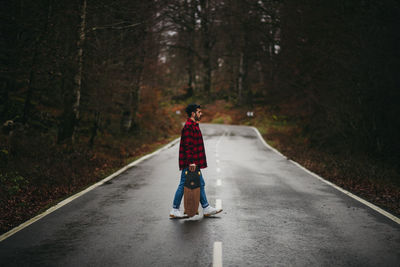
[[72, 103]]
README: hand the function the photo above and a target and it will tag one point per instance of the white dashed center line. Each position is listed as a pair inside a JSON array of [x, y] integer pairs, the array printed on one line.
[[218, 204], [217, 253], [217, 258]]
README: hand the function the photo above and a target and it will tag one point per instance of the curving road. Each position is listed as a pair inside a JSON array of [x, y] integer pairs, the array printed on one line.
[[275, 214]]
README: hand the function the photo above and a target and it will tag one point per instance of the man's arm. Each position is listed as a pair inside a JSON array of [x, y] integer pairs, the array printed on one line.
[[187, 136]]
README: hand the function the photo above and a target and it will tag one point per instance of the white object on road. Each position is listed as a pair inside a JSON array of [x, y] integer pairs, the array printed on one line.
[[218, 204], [176, 213], [217, 254]]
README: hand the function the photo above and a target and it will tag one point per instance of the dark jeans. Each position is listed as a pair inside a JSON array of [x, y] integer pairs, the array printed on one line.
[[179, 191]]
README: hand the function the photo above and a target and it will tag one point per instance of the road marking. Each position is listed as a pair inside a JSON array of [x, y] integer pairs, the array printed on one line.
[[71, 198], [220, 138], [217, 254], [219, 182], [217, 160], [219, 141], [372, 206], [218, 170], [218, 204]]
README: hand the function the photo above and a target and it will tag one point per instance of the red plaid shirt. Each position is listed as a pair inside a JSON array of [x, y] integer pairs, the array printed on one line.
[[191, 149]]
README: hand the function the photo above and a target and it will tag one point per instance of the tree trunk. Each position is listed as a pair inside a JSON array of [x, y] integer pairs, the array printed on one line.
[[129, 116], [207, 45], [5, 85], [191, 10], [134, 126], [95, 128], [78, 76], [240, 79], [71, 110], [28, 100], [30, 88]]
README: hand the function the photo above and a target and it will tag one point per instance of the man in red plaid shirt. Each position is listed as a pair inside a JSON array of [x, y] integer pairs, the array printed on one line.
[[192, 155]]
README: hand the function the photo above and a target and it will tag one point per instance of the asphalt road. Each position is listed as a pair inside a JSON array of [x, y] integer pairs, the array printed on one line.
[[275, 214]]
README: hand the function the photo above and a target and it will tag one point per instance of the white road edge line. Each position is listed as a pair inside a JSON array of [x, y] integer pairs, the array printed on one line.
[[217, 254], [372, 206], [71, 198]]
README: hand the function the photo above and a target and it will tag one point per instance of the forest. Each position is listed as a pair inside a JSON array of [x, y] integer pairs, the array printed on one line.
[[88, 86]]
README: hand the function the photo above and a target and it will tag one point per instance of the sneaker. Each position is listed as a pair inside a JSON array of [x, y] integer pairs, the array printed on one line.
[[176, 213], [208, 211], [185, 214]]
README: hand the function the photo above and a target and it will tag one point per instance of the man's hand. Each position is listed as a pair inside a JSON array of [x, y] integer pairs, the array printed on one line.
[[192, 167]]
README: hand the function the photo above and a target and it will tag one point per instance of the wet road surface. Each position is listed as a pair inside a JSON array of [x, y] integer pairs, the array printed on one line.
[[275, 214]]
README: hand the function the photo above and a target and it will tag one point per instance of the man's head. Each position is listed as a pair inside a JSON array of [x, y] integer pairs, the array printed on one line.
[[194, 112]]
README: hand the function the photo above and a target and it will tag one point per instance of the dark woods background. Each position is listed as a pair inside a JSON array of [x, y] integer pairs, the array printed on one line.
[[86, 83], [76, 67]]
